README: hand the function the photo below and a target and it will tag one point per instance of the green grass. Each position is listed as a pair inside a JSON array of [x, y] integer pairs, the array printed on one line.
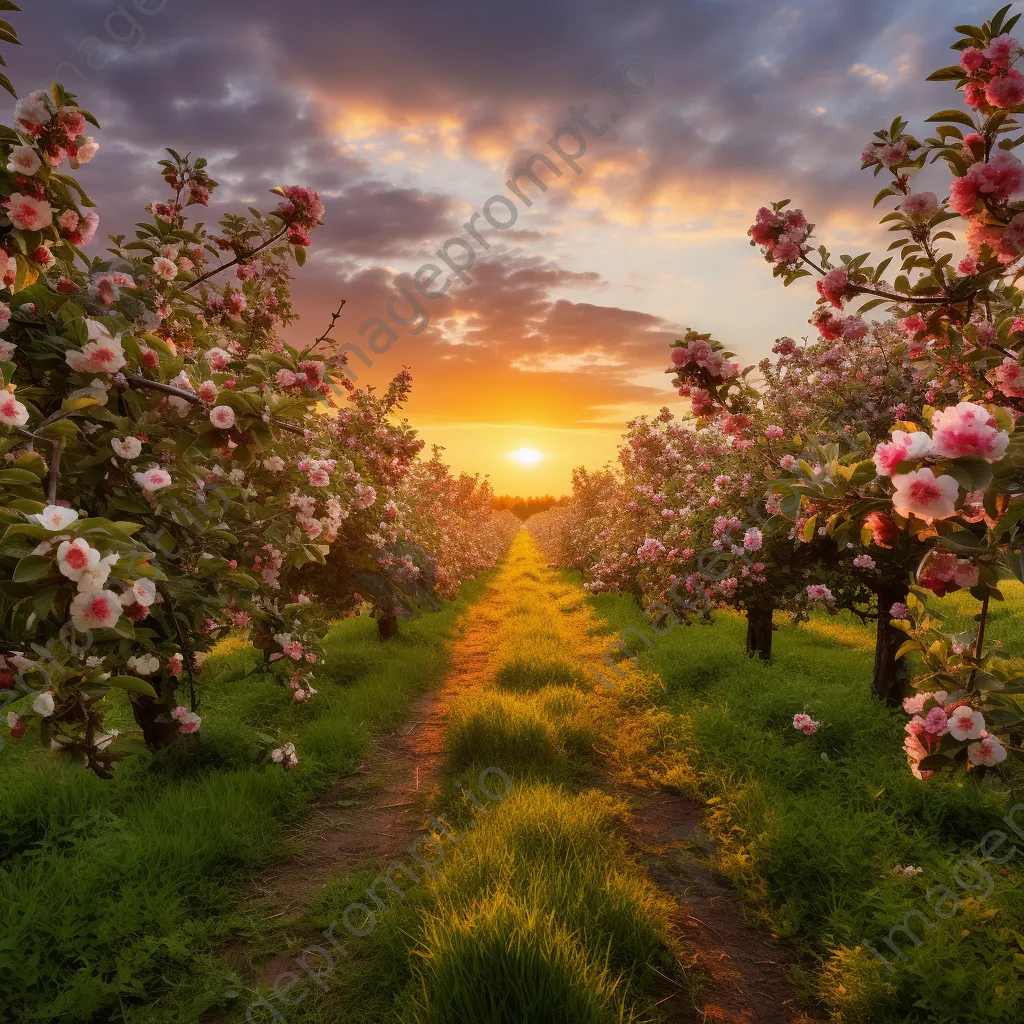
[[811, 827], [114, 893], [538, 912], [541, 916]]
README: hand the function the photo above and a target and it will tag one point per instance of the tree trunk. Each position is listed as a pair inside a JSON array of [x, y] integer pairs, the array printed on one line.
[[387, 626], [153, 717], [890, 678], [759, 631]]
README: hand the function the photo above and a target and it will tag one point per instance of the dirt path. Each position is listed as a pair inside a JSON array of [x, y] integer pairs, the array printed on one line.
[[745, 969], [371, 815]]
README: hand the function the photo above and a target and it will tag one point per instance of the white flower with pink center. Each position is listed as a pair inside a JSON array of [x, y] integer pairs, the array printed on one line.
[[222, 417], [98, 610], [153, 479], [24, 160], [925, 495], [31, 111], [101, 354], [965, 723], [74, 557], [208, 391], [188, 721], [143, 592], [753, 539], [28, 213], [987, 751], [12, 412]]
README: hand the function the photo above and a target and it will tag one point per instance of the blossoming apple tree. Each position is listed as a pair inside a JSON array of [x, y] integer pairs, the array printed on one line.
[[952, 475], [167, 467]]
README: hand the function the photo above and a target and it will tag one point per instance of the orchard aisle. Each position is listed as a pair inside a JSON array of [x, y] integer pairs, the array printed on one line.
[[552, 882]]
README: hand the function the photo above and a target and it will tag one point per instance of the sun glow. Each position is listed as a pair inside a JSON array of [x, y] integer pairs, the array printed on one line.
[[526, 456]]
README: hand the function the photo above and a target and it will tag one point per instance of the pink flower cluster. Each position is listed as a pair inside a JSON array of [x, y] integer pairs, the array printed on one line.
[[782, 235], [700, 354], [805, 724]]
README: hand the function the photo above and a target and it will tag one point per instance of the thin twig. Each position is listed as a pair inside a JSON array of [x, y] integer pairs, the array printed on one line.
[[238, 259], [327, 333]]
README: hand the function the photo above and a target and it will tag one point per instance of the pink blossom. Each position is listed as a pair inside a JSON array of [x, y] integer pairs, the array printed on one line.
[[915, 705], [936, 722], [972, 60], [805, 724], [773, 432], [925, 495], [218, 359], [1005, 91], [222, 417], [899, 611], [892, 155], [651, 550], [967, 266], [1008, 377], [864, 562], [922, 204], [833, 286], [819, 592], [967, 429], [787, 462]]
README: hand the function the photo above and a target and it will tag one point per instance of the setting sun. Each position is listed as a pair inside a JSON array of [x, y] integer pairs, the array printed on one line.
[[526, 456]]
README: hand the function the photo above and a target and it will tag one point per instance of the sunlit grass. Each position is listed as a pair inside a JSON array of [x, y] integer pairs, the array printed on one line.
[[114, 892], [811, 827]]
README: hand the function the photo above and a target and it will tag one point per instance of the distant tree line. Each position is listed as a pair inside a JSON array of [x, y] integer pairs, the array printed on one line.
[[522, 507]]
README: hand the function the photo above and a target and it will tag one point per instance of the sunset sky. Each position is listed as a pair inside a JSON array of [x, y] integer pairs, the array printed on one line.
[[407, 117]]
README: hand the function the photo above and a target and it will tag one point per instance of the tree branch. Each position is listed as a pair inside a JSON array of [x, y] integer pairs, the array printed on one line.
[[189, 396], [327, 333], [51, 487], [238, 259]]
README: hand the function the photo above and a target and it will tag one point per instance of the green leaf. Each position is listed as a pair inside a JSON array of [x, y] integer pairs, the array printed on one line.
[[300, 256], [952, 73], [132, 684], [953, 115], [31, 567], [18, 476]]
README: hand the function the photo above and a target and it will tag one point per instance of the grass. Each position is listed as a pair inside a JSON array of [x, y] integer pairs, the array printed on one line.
[[114, 893], [538, 912], [811, 827]]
